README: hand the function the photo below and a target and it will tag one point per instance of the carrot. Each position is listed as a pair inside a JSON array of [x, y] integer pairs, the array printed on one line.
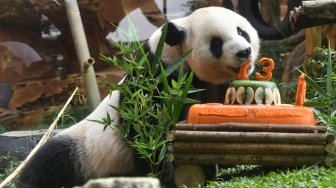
[[267, 70], [242, 72], [301, 91]]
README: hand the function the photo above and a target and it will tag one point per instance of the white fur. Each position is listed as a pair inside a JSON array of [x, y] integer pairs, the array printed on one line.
[[105, 153], [102, 153], [201, 26]]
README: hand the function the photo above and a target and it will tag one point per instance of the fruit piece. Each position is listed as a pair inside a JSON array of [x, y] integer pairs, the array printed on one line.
[[277, 97], [227, 96], [242, 72], [259, 95], [268, 96], [240, 95], [233, 95], [249, 95]]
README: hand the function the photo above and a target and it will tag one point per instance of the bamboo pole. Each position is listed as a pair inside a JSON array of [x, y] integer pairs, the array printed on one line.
[[249, 137], [247, 148], [83, 54], [239, 159], [247, 127]]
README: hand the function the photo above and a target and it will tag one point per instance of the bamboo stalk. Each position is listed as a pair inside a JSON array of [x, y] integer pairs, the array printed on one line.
[[247, 148], [246, 127], [236, 159], [250, 137]]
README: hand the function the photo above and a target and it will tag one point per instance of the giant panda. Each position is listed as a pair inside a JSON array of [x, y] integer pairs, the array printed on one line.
[[221, 41]]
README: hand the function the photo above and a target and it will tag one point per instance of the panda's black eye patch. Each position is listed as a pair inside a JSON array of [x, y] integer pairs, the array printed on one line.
[[243, 34], [216, 44]]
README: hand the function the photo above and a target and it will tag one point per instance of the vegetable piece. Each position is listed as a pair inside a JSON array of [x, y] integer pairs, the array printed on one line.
[[249, 95], [301, 91], [277, 97], [227, 96], [259, 95], [240, 95], [242, 72], [267, 70], [233, 95], [268, 96]]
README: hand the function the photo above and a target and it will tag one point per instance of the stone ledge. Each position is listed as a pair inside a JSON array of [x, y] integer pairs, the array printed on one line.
[[137, 182], [18, 144]]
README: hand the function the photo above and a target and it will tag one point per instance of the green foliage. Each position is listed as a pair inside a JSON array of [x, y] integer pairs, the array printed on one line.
[[146, 109], [305, 177], [7, 166], [322, 93]]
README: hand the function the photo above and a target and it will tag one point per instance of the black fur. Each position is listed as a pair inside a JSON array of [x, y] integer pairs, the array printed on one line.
[[175, 34], [61, 169], [216, 47], [244, 34]]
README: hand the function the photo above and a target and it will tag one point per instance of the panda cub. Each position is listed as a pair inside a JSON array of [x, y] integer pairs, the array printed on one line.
[[221, 41]]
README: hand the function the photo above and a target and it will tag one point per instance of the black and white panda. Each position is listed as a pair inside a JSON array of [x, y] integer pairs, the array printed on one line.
[[221, 41]]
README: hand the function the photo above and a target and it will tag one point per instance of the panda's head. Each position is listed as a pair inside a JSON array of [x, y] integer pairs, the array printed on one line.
[[221, 41]]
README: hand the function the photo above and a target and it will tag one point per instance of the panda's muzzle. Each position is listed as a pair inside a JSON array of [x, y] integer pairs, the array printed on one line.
[[243, 54]]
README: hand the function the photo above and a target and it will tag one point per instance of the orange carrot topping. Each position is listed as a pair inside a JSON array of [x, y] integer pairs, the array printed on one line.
[[267, 70], [301, 91], [242, 72]]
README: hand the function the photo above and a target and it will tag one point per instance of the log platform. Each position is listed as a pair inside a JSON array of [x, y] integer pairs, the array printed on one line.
[[249, 144]]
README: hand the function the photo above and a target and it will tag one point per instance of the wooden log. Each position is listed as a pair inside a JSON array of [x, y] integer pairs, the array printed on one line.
[[236, 159], [321, 9], [189, 176], [329, 161], [330, 138], [247, 127], [250, 137], [246, 148], [330, 148]]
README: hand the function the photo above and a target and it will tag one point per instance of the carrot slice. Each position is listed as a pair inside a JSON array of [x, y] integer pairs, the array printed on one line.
[[242, 72], [267, 70]]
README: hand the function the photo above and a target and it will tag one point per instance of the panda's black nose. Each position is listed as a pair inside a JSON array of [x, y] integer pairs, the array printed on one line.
[[244, 53]]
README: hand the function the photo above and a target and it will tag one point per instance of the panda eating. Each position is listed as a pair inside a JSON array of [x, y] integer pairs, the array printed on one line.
[[221, 41]]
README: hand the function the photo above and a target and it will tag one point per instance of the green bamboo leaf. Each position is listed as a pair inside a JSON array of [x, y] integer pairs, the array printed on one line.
[[329, 71], [135, 94], [172, 67], [314, 85], [179, 100], [164, 80], [315, 104], [159, 49], [162, 152]]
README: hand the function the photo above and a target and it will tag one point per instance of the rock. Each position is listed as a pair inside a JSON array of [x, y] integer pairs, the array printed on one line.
[[138, 182], [18, 144]]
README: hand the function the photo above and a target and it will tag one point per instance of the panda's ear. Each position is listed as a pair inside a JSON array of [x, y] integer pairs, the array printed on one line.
[[175, 34]]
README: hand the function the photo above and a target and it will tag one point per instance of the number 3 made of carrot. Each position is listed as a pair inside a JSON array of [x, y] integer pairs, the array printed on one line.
[[267, 70]]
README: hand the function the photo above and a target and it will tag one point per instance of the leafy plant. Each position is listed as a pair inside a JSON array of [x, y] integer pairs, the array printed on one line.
[[289, 177], [322, 96], [151, 102], [7, 166]]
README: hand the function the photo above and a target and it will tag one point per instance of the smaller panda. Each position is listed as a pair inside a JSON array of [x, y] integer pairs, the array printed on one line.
[[221, 41]]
